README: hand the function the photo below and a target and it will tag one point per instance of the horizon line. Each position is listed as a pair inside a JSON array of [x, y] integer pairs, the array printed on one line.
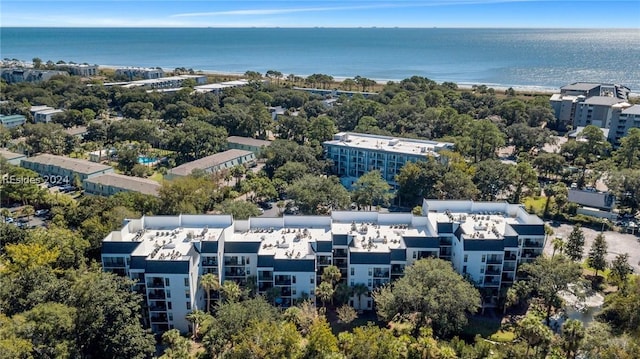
[[322, 27]]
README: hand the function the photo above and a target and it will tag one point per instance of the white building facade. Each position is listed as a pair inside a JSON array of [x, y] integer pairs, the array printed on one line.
[[283, 258]]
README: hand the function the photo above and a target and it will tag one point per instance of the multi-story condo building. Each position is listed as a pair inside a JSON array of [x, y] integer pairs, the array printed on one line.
[[20, 74], [354, 154], [566, 104], [84, 70], [111, 183], [624, 119], [140, 72], [283, 258]]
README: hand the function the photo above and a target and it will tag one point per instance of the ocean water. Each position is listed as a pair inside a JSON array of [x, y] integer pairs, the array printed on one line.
[[545, 58]]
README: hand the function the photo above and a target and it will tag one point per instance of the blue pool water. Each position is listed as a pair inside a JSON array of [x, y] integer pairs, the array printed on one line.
[[146, 160]]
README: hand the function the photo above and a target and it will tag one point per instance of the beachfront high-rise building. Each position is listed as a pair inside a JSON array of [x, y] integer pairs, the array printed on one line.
[[354, 154], [283, 258], [569, 105]]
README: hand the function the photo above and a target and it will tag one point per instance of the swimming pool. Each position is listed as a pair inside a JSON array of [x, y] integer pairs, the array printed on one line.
[[147, 160]]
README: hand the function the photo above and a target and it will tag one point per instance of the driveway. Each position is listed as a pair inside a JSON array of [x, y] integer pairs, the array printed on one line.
[[617, 243]]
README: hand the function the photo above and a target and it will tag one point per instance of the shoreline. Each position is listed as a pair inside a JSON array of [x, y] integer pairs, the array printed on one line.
[[532, 89]]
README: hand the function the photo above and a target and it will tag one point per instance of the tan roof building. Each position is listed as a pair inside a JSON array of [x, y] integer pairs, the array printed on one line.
[[46, 164], [112, 183], [213, 163]]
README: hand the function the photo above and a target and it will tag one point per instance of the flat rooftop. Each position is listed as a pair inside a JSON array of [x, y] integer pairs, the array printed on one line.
[[580, 86], [602, 101], [377, 238], [71, 164], [633, 110], [284, 243], [388, 144], [481, 226], [172, 244]]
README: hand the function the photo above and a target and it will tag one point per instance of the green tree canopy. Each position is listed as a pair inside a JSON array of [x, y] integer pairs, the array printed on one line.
[[371, 189], [318, 195], [433, 291]]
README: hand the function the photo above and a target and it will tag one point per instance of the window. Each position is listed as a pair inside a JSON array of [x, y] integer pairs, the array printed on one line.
[[352, 283], [464, 269], [187, 294], [312, 280], [353, 271], [247, 260], [484, 258], [466, 258], [188, 305], [368, 303], [293, 291], [170, 316], [186, 282], [481, 270], [293, 279], [369, 283], [168, 293], [370, 272], [166, 282], [248, 272], [169, 305]]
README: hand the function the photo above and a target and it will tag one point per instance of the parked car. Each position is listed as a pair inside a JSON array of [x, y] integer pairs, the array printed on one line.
[[41, 212], [8, 220]]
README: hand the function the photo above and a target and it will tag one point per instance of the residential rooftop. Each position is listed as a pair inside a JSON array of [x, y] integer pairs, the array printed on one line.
[[136, 184], [248, 141], [633, 110], [209, 161], [602, 100], [388, 144], [580, 86], [72, 164], [10, 155]]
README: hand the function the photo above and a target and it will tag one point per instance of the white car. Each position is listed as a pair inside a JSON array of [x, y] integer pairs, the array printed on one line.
[[8, 220]]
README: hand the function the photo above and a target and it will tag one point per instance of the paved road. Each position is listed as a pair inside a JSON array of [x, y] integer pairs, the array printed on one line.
[[617, 243]]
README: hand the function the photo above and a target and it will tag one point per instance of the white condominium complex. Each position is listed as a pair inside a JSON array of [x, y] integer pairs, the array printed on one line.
[[283, 258], [354, 154]]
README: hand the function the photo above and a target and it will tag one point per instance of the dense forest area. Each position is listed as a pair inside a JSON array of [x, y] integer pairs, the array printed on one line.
[[55, 302]]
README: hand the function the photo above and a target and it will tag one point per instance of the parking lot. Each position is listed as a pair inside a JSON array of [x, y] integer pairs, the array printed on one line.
[[618, 243]]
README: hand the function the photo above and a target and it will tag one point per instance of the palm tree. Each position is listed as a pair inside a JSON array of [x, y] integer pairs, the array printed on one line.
[[238, 171], [331, 274], [325, 292], [209, 282], [572, 332], [231, 291], [28, 211], [558, 245], [358, 290], [5, 213], [196, 318]]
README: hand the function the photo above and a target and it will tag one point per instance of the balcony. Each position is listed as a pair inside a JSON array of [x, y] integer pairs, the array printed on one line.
[[397, 269], [234, 261], [445, 241], [510, 256], [494, 260], [264, 286], [380, 282], [210, 262], [155, 283], [281, 280], [507, 278], [158, 307], [158, 318], [324, 261], [493, 271], [339, 253], [509, 267], [285, 292], [340, 263], [533, 244], [234, 272], [265, 276], [156, 294], [491, 282], [381, 274]]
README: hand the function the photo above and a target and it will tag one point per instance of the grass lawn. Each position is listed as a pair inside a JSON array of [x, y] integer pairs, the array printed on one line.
[[157, 176], [535, 204], [487, 327]]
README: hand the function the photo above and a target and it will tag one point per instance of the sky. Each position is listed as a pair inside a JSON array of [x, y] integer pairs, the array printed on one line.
[[327, 13]]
